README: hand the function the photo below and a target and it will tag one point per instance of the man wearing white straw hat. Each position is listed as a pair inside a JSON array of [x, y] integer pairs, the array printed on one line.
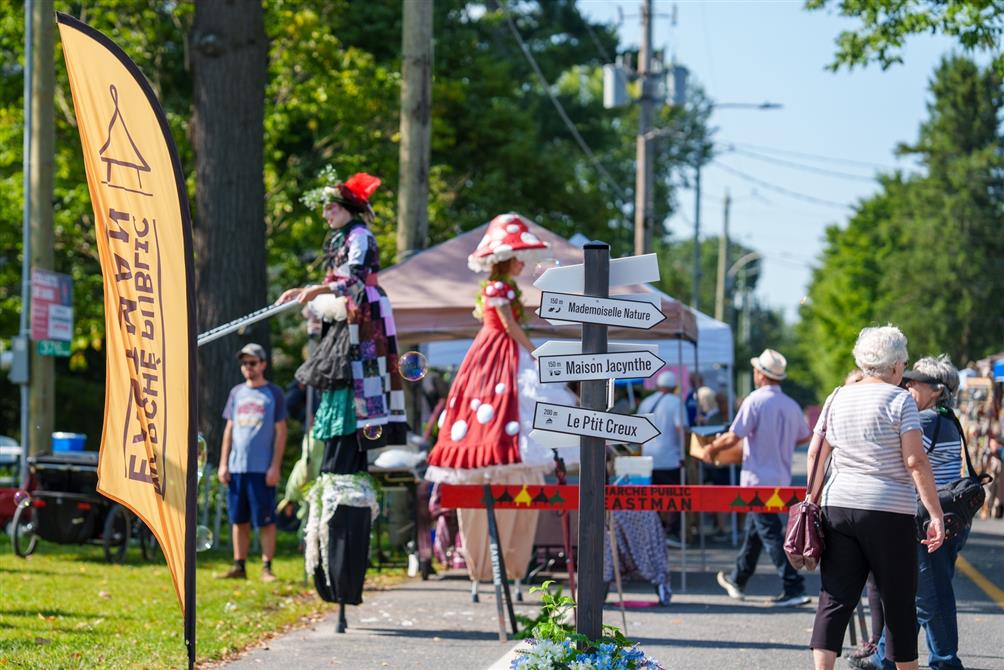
[[769, 424]]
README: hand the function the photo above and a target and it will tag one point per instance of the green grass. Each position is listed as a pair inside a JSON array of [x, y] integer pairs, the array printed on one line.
[[65, 607]]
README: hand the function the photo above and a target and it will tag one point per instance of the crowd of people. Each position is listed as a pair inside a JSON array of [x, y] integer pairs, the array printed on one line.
[[889, 434]]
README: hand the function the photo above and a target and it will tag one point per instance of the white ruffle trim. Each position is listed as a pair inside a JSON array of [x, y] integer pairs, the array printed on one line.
[[485, 263], [534, 456], [328, 492]]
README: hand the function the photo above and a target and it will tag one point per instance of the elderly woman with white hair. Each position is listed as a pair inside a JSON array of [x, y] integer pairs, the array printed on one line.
[[933, 383], [873, 431]]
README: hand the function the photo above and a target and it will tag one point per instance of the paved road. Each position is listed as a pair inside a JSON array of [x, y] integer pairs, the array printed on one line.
[[434, 625]]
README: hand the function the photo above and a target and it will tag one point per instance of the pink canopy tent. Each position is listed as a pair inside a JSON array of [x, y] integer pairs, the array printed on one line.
[[433, 295]]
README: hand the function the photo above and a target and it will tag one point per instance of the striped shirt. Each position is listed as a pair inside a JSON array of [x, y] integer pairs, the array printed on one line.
[[864, 423], [946, 455]]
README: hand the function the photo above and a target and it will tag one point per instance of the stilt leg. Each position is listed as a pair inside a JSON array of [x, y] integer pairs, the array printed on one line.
[[474, 592], [342, 623]]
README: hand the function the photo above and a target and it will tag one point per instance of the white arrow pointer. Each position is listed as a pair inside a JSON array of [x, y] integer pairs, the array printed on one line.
[[623, 271], [592, 423], [609, 311], [614, 365], [570, 347]]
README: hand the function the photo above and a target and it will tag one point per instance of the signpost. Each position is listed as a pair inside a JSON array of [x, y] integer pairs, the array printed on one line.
[[608, 311], [620, 365], [594, 363], [592, 423], [51, 312]]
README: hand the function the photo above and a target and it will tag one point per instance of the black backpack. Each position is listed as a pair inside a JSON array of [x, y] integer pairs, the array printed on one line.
[[961, 498]]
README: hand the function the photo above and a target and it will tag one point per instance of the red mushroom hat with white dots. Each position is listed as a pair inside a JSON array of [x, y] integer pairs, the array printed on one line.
[[508, 236]]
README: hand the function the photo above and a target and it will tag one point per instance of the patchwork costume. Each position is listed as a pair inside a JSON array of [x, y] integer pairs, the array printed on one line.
[[362, 402]]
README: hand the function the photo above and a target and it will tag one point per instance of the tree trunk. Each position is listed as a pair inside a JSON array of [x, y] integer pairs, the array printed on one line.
[[229, 59]]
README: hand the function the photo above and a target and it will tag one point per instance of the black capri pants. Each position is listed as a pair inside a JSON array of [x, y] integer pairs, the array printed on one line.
[[859, 541]]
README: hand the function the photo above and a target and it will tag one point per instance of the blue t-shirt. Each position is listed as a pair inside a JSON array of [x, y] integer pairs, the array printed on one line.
[[254, 412]]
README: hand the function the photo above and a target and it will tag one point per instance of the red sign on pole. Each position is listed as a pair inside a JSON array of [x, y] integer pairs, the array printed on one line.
[[631, 498], [51, 306]]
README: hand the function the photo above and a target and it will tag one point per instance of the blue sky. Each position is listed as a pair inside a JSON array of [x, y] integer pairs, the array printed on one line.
[[755, 51]]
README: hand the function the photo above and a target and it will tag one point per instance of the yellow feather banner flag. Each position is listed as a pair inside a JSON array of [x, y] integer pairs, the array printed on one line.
[[144, 238]]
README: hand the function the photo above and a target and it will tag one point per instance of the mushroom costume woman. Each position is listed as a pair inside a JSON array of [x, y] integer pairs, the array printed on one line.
[[485, 429], [362, 403]]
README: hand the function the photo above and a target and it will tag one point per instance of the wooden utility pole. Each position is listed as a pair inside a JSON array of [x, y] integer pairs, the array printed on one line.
[[723, 260], [643, 167], [416, 135], [42, 391]]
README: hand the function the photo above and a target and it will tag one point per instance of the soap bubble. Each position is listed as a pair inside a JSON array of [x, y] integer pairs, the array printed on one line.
[[545, 265], [413, 366], [21, 498], [203, 538], [372, 431], [202, 455]]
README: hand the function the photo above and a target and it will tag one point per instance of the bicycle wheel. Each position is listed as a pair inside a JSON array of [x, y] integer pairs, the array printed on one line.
[[148, 544], [116, 534], [22, 531]]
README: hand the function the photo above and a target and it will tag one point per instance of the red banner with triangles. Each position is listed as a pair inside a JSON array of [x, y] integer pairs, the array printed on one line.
[[629, 498]]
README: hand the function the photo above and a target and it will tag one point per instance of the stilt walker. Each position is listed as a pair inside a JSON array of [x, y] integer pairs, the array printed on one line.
[[484, 431], [355, 366]]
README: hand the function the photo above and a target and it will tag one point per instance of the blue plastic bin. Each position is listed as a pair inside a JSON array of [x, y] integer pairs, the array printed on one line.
[[68, 442]]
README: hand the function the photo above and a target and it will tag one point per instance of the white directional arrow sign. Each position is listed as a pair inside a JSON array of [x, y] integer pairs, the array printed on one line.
[[623, 271], [608, 311], [582, 367], [570, 347], [592, 423]]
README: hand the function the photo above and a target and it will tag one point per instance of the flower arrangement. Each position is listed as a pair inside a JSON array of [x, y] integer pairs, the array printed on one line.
[[555, 645], [322, 195]]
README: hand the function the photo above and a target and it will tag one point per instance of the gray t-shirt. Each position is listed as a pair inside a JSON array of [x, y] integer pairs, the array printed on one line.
[[254, 412], [864, 424]]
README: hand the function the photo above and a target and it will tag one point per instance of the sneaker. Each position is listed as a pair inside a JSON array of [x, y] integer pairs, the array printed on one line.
[[863, 662], [789, 600], [864, 650], [664, 593], [267, 576], [235, 572], [734, 590]]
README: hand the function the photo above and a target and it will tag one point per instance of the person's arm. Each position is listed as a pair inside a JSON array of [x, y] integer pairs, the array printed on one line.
[[819, 451], [720, 443], [278, 448], [917, 464], [512, 327], [223, 471]]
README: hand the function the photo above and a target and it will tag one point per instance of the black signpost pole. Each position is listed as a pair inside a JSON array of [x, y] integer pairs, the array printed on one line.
[[592, 458]]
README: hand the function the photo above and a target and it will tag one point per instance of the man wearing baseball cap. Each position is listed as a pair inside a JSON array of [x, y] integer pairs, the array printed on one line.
[[769, 424], [250, 459]]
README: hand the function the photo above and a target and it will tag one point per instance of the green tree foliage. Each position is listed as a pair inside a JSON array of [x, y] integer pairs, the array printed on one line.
[[333, 98], [926, 253], [977, 26]]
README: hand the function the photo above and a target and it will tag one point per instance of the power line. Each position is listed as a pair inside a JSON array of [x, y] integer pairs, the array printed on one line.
[[809, 156], [558, 106], [604, 54], [802, 166], [779, 189]]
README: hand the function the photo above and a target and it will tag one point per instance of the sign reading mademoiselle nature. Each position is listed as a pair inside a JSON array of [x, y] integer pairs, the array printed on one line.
[[607, 311], [144, 240]]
